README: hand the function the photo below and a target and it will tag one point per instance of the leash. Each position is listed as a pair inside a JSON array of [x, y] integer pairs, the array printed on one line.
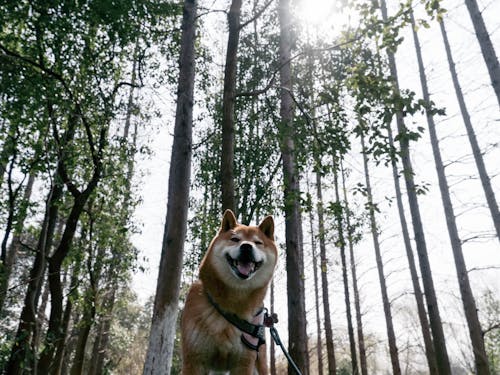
[[269, 321], [255, 330]]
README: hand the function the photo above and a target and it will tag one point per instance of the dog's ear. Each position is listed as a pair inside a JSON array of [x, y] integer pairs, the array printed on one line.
[[267, 227], [228, 221]]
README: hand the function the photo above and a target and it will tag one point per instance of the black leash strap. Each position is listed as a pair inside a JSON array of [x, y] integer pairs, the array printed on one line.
[[255, 330], [270, 320]]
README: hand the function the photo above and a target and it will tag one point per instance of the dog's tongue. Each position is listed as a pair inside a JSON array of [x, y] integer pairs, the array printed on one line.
[[246, 268]]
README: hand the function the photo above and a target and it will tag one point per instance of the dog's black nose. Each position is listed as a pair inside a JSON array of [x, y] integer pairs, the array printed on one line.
[[246, 252]]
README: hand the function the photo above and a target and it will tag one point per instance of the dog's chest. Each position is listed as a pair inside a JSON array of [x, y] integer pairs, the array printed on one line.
[[218, 342]]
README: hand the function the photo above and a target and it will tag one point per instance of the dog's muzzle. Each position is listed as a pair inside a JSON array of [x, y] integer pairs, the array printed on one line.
[[245, 264]]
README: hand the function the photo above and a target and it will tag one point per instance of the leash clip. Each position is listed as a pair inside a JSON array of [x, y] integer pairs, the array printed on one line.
[[270, 319]]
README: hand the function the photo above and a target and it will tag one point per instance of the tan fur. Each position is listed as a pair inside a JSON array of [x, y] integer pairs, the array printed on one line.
[[209, 341]]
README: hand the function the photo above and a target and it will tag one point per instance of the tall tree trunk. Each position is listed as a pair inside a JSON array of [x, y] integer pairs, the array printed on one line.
[[341, 242], [102, 335], [487, 49], [163, 326], [61, 345], [476, 151], [330, 349], [297, 333], [475, 331], [272, 357], [227, 152], [419, 298], [319, 349], [393, 350], [14, 247], [22, 356], [54, 332], [439, 340], [357, 305]]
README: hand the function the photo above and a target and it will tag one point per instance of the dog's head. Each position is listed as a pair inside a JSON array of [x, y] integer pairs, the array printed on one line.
[[243, 256]]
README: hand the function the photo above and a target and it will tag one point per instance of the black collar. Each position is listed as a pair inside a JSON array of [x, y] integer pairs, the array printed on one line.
[[255, 330]]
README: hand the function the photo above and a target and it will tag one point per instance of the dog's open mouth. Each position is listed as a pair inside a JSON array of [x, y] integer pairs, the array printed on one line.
[[243, 268]]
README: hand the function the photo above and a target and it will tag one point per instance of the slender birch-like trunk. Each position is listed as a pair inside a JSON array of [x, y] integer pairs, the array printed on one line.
[[430, 354], [330, 348], [357, 305], [439, 340], [345, 278], [227, 152], [489, 55], [297, 333], [475, 331], [476, 150], [163, 326], [393, 349], [319, 349]]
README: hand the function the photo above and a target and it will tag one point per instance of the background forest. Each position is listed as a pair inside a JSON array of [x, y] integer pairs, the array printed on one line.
[[370, 130]]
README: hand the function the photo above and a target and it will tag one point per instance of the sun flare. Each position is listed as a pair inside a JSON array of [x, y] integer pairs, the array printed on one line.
[[317, 12]]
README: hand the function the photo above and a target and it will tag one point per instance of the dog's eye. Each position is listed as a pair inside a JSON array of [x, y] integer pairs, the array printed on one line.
[[235, 239], [258, 242]]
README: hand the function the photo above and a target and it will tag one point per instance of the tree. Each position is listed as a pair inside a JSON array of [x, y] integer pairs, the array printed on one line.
[[475, 331], [370, 205], [489, 55], [439, 340], [476, 150], [357, 306], [297, 334], [227, 152], [163, 326]]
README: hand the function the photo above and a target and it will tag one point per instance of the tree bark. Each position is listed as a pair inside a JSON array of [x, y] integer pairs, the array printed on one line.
[[357, 306], [54, 332], [393, 349], [319, 344], [227, 152], [341, 242], [489, 55], [61, 345], [476, 150], [439, 341], [14, 247], [419, 299], [475, 331], [163, 326], [22, 356], [297, 333], [272, 357], [330, 348]]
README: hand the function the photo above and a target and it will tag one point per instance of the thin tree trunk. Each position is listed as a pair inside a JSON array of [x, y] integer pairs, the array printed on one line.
[[163, 326], [419, 299], [330, 349], [475, 331], [439, 340], [319, 349], [227, 152], [297, 333], [54, 332], [476, 151], [357, 306], [272, 357], [102, 336], [341, 242], [22, 356], [61, 345], [393, 350], [489, 55], [14, 247]]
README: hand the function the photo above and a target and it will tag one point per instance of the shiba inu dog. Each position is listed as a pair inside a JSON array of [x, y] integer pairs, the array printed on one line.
[[221, 324]]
